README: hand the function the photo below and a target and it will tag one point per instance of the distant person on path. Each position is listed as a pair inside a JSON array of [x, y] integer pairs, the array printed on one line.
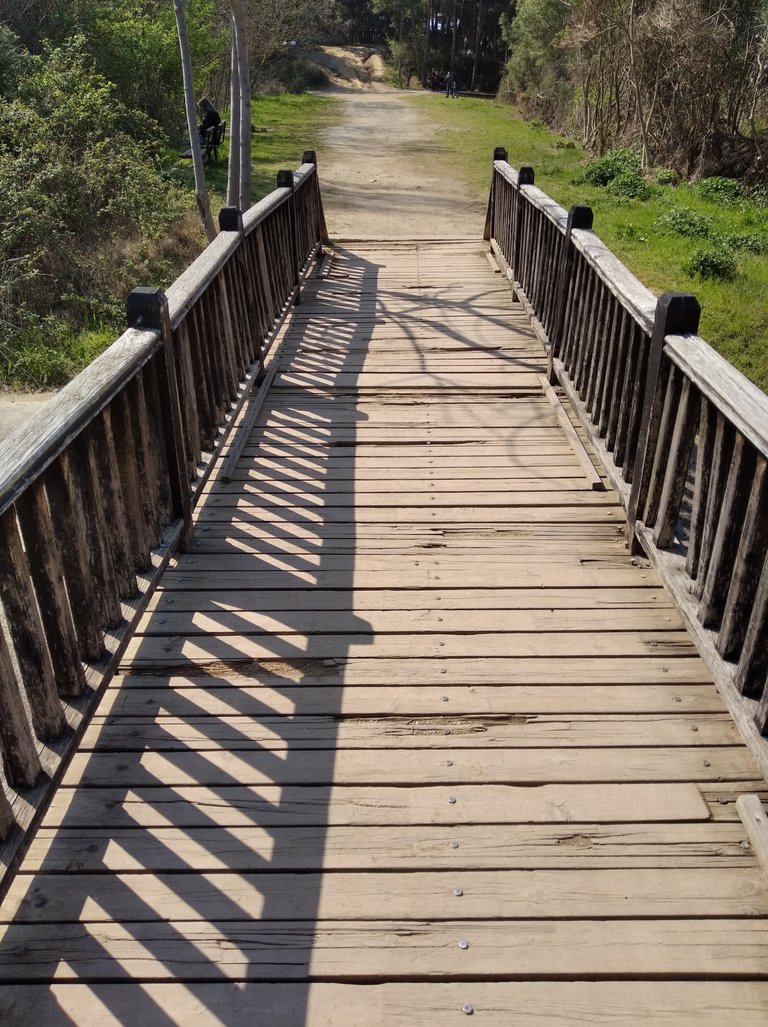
[[454, 85], [434, 81], [209, 116], [448, 83]]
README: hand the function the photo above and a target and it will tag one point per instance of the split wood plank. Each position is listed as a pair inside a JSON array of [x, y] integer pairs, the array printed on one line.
[[512, 731], [354, 950], [313, 845], [234, 805]]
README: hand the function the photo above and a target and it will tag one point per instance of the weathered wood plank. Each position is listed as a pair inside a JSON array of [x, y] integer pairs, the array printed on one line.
[[350, 950], [200, 696], [509, 731], [483, 895], [538, 1004], [354, 767], [312, 845]]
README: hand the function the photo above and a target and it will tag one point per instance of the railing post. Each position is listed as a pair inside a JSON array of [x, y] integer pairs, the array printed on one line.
[[525, 176], [285, 180], [310, 157], [499, 153], [230, 220], [677, 313], [578, 217], [148, 308]]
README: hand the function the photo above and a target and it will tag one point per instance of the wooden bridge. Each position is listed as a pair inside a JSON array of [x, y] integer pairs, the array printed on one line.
[[437, 593]]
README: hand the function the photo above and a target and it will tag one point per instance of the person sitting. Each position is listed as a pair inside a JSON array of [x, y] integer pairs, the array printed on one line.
[[209, 117]]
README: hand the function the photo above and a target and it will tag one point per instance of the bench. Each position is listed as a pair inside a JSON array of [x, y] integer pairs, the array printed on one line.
[[210, 143]]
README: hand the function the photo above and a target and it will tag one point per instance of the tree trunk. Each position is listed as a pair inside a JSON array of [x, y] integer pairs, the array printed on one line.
[[244, 74], [201, 190], [478, 40], [233, 170]]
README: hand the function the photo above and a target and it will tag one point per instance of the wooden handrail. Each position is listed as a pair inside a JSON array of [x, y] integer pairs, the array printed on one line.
[[665, 413], [97, 489]]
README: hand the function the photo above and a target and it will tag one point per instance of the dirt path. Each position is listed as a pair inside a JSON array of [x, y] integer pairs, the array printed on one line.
[[384, 174]]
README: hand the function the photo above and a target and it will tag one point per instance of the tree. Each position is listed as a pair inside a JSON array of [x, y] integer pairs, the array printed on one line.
[[201, 189]]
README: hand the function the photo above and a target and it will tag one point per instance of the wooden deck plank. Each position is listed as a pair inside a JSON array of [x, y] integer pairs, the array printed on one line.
[[484, 895], [421, 766], [536, 1004], [416, 950], [307, 842]]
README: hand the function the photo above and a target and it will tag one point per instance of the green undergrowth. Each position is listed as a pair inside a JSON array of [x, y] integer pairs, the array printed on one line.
[[709, 238]]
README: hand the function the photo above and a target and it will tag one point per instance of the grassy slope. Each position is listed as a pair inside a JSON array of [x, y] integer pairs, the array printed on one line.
[[734, 314], [284, 127]]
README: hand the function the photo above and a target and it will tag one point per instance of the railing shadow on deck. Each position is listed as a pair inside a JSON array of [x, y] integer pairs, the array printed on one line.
[[97, 489], [667, 416], [227, 831]]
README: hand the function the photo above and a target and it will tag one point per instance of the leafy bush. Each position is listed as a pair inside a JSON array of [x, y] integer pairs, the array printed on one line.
[[630, 185], [684, 221], [717, 264], [749, 242], [665, 176], [80, 181], [614, 163], [726, 191]]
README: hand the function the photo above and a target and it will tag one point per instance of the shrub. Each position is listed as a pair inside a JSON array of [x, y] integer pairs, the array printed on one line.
[[717, 264], [665, 176], [726, 191], [749, 242], [614, 163], [684, 221], [630, 185]]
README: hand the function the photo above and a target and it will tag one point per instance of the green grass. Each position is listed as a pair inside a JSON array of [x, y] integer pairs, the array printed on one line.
[[284, 127], [734, 313]]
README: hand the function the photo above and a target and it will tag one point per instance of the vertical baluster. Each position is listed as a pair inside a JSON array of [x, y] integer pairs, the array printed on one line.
[[616, 384], [729, 528], [678, 466], [27, 632], [66, 505], [45, 568], [190, 420], [22, 764], [103, 572], [753, 663], [132, 482], [583, 327], [704, 460], [631, 379], [153, 431], [721, 461], [601, 342], [661, 428], [107, 465], [605, 364], [572, 314], [750, 558]]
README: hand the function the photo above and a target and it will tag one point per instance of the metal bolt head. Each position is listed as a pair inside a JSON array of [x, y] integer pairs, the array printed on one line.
[[449, 763], [463, 945], [468, 1009], [454, 845], [707, 763], [451, 800], [458, 892]]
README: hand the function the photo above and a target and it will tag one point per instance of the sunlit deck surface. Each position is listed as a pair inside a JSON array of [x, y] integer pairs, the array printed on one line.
[[408, 736]]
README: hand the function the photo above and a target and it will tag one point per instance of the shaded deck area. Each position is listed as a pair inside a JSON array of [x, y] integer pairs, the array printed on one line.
[[408, 736]]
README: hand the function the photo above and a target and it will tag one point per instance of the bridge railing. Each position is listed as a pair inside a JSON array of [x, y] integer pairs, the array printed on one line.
[[97, 490], [683, 435]]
